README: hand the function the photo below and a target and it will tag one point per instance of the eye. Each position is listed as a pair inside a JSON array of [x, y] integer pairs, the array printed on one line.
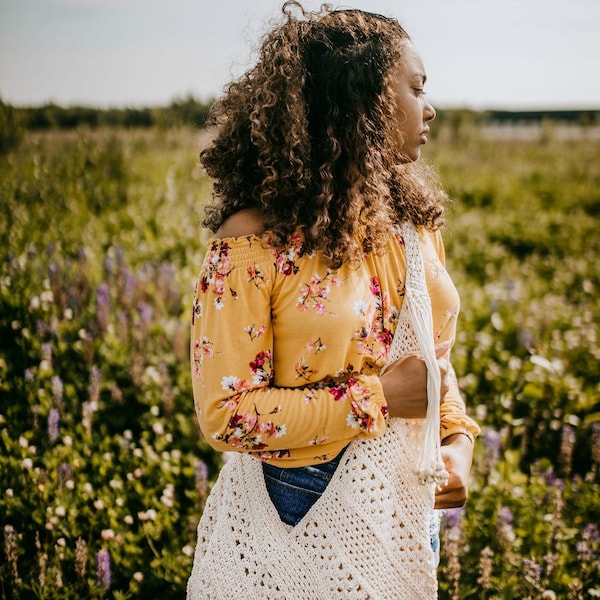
[[419, 91]]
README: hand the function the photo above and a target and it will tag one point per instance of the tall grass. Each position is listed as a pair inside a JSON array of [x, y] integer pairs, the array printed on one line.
[[103, 469]]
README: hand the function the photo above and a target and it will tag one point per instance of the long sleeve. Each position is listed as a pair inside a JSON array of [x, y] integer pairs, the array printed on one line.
[[453, 412], [239, 404]]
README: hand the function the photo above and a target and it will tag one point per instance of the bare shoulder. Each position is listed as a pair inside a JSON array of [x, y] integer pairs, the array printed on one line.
[[248, 221]]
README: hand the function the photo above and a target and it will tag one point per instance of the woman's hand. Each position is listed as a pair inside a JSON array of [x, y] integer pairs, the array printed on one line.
[[457, 452], [404, 384]]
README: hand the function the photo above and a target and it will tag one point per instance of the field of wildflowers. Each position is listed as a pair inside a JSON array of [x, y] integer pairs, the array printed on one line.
[[103, 471]]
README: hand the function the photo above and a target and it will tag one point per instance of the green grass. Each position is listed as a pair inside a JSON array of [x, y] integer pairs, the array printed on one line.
[[99, 446]]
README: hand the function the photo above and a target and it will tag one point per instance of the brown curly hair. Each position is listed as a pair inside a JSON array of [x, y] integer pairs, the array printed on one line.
[[305, 137]]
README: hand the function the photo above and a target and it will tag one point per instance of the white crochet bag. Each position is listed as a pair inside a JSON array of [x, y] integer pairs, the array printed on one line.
[[367, 537]]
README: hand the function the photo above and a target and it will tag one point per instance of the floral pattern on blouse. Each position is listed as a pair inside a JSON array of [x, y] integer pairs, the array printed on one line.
[[286, 352]]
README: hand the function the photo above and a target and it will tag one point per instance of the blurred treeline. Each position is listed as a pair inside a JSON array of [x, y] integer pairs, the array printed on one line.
[[189, 111], [14, 121]]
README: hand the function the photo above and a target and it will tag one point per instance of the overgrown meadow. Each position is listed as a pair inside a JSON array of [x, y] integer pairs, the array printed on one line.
[[103, 472]]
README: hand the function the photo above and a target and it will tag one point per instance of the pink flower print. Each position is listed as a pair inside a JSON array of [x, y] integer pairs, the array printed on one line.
[[297, 243], [201, 349], [303, 371], [318, 440], [309, 395], [241, 423], [217, 268], [374, 286], [203, 283], [358, 418], [320, 307], [285, 259], [260, 367], [230, 403], [300, 305], [196, 309], [218, 291], [234, 384], [255, 332], [246, 430], [315, 292], [385, 337], [270, 429], [275, 454], [286, 266], [339, 392], [256, 276], [316, 345]]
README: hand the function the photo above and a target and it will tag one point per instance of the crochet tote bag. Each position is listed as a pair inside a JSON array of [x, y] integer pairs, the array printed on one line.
[[367, 537]]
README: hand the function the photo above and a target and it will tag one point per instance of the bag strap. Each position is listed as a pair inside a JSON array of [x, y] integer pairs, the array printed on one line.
[[417, 307]]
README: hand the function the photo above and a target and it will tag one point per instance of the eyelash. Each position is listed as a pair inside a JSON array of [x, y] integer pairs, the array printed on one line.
[[420, 91]]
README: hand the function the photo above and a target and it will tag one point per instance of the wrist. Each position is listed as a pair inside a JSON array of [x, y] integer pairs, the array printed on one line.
[[460, 437]]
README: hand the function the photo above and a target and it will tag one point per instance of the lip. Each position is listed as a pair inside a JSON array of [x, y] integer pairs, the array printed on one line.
[[423, 135]]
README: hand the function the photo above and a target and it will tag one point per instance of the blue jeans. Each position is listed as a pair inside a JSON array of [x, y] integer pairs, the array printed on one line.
[[293, 491]]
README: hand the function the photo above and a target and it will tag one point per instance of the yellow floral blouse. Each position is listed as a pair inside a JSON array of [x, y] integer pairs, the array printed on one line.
[[286, 352]]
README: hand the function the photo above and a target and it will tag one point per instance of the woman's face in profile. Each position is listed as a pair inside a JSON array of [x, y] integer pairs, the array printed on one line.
[[413, 111]]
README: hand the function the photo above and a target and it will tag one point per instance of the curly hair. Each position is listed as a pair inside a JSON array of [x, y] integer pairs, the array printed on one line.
[[305, 137]]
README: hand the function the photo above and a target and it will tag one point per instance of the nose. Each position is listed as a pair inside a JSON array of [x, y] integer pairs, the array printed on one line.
[[428, 112]]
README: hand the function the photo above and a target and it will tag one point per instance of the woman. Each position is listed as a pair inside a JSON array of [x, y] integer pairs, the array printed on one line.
[[324, 224]]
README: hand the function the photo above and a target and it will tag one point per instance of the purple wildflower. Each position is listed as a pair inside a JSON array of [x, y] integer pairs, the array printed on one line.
[[451, 544], [29, 375], [126, 287], [102, 306], [492, 443], [53, 422], [492, 451], [505, 515], [532, 572], [504, 528], [591, 532], [145, 311], [586, 546], [103, 569], [567, 444], [452, 517]]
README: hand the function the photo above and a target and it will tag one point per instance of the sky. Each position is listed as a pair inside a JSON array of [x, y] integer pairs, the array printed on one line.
[[479, 54]]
